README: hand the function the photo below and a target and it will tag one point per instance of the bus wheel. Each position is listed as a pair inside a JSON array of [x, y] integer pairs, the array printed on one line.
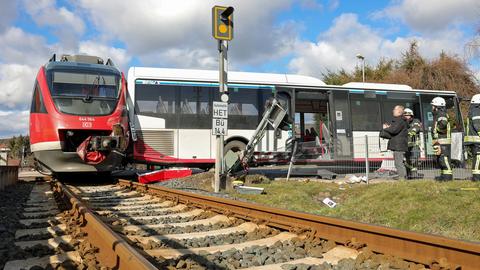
[[234, 146], [232, 151]]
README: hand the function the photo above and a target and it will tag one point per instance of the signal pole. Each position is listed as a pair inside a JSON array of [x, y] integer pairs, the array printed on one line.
[[222, 30], [222, 84]]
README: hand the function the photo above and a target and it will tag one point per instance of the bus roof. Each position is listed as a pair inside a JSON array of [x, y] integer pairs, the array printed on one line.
[[261, 78], [233, 76], [379, 86], [387, 86]]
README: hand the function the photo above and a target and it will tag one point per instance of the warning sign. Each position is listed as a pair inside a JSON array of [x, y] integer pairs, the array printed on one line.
[[220, 110], [219, 126], [220, 118]]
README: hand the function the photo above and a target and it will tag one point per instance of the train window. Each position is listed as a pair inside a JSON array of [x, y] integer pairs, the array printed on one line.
[[82, 84], [365, 113], [37, 101]]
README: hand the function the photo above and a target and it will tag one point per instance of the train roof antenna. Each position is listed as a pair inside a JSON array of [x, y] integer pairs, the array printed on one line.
[[53, 58]]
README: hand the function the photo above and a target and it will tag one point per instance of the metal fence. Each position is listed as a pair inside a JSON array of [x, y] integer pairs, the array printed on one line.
[[8, 176], [366, 156]]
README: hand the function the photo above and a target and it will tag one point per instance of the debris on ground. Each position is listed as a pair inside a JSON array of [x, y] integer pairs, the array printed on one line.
[[249, 190], [353, 179], [329, 202]]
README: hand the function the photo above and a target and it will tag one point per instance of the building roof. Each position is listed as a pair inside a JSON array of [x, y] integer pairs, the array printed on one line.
[[4, 147]]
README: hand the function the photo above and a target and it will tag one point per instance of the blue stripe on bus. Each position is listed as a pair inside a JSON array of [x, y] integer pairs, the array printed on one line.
[[231, 85], [357, 91], [381, 92]]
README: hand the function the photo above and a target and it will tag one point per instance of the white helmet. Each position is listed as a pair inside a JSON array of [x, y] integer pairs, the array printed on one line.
[[438, 102], [407, 112], [475, 99]]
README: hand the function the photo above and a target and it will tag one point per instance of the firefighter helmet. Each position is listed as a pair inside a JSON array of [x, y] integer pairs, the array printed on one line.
[[408, 112], [438, 102], [475, 99]]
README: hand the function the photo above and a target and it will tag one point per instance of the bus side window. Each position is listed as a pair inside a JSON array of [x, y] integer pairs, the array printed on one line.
[[365, 113], [194, 107], [245, 108]]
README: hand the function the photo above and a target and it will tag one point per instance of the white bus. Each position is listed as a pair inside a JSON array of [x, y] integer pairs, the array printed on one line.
[[170, 112]]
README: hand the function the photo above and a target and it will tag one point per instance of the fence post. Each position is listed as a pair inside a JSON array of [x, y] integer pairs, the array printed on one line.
[[367, 164]]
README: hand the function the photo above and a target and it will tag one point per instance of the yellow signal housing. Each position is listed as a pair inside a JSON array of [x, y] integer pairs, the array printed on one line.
[[222, 22]]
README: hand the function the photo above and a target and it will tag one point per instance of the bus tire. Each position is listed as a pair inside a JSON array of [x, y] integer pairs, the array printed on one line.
[[235, 146]]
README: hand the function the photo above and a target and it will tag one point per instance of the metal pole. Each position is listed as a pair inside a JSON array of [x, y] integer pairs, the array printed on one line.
[[295, 145], [363, 69], [367, 164], [222, 81]]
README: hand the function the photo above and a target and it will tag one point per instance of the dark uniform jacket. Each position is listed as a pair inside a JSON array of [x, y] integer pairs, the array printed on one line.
[[414, 129], [398, 135], [472, 129], [441, 132]]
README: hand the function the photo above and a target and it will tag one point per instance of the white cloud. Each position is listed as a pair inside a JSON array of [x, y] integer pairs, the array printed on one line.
[[21, 55], [337, 47], [8, 11], [159, 31], [17, 46], [333, 4], [118, 55], [311, 4], [13, 123], [67, 25], [432, 15], [16, 82]]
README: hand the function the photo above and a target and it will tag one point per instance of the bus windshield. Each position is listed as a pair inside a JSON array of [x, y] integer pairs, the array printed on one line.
[[84, 93]]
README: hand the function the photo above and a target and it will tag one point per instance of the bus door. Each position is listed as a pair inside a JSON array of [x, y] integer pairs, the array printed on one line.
[[456, 124], [341, 124], [312, 124], [408, 99]]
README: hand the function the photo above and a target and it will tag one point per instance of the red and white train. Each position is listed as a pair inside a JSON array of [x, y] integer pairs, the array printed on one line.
[[78, 118]]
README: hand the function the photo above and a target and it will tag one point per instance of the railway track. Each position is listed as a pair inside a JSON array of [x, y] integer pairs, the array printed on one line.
[[135, 226]]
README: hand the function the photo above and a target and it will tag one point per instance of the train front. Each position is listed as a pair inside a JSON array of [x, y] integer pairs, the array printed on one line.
[[78, 119]]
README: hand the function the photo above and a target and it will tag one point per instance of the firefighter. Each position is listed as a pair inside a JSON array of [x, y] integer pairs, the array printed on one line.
[[413, 152], [472, 135], [441, 135]]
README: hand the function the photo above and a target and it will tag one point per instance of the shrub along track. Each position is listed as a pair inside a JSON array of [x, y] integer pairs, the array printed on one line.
[[155, 227]]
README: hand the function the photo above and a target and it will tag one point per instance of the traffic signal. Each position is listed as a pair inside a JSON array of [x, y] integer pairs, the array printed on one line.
[[222, 22]]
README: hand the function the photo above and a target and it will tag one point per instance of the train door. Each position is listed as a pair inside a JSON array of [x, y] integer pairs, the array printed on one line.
[[313, 128]]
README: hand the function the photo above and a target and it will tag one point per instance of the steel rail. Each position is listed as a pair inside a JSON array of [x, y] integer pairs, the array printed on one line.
[[410, 246], [114, 251]]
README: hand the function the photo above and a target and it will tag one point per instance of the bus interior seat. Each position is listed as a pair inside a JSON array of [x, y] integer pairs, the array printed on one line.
[[161, 108], [186, 107]]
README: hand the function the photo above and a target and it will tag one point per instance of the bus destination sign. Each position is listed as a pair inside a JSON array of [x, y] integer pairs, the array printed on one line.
[[220, 118]]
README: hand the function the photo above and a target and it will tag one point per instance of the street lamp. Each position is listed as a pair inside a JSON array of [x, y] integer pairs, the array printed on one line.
[[362, 58]]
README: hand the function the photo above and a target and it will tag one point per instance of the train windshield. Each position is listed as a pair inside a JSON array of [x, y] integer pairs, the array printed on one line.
[[84, 93]]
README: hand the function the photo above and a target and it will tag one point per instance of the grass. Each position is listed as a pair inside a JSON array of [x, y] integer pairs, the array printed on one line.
[[422, 206]]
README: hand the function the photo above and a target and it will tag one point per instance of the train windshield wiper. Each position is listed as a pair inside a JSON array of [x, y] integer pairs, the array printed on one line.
[[95, 85]]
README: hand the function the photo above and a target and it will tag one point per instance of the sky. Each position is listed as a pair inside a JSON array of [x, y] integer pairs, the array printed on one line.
[[305, 37]]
